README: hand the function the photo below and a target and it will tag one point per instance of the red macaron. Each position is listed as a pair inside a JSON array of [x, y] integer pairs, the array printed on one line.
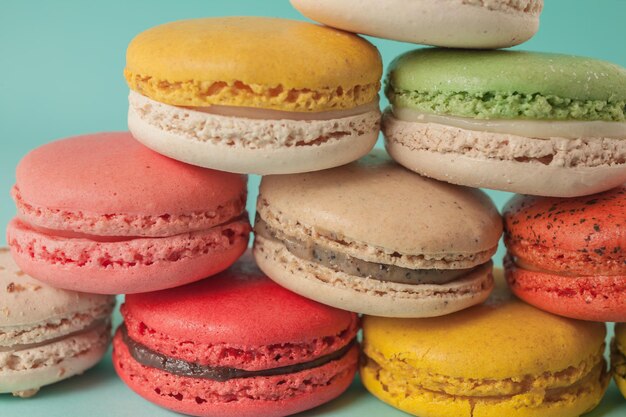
[[568, 256], [104, 214], [235, 345]]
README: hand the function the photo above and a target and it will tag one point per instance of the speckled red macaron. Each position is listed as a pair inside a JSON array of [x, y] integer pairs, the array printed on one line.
[[568, 256], [235, 345], [103, 214]]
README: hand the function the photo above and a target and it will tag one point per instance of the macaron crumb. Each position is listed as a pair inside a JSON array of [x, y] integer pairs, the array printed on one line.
[[26, 393], [17, 287]]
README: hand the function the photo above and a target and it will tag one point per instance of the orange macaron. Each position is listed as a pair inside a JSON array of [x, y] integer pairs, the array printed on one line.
[[568, 256]]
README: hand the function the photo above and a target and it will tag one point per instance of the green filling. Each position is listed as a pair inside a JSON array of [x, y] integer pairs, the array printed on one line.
[[494, 105]]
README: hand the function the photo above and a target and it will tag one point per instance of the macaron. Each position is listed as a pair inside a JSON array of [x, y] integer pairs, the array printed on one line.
[[47, 334], [502, 358], [618, 357], [235, 345], [103, 214], [254, 94], [450, 23], [568, 256], [374, 238], [525, 122]]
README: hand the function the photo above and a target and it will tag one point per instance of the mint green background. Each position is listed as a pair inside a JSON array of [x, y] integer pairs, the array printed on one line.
[[61, 75]]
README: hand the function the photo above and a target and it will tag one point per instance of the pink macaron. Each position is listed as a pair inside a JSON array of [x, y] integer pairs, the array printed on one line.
[[103, 214]]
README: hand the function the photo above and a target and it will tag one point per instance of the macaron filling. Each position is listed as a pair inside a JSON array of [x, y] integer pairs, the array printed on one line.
[[536, 129], [338, 261], [150, 358], [54, 351], [104, 323], [271, 114]]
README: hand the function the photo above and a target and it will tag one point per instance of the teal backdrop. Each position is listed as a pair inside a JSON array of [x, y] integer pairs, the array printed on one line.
[[61, 68]]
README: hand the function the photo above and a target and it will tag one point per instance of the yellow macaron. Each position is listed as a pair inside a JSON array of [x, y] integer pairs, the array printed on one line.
[[502, 358], [255, 62], [254, 95], [618, 357]]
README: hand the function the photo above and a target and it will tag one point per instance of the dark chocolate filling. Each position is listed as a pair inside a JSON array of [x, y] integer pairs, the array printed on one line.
[[342, 262], [149, 357]]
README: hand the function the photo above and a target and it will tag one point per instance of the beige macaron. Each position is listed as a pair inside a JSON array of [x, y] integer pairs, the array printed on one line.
[[47, 334], [375, 238], [450, 23]]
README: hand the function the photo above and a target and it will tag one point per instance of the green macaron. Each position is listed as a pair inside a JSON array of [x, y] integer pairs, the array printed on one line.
[[527, 122]]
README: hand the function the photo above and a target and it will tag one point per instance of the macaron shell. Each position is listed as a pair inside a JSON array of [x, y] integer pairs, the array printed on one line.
[[127, 266], [111, 173], [581, 236], [596, 298], [489, 72], [449, 23], [494, 173], [452, 222], [429, 404], [17, 381], [357, 137], [267, 396], [229, 307], [461, 338], [240, 61]]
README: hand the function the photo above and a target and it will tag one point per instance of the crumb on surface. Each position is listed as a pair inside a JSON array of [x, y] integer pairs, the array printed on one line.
[[15, 287], [26, 393]]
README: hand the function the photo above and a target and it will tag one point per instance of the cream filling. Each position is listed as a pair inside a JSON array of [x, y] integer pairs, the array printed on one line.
[[342, 262], [269, 114], [539, 129]]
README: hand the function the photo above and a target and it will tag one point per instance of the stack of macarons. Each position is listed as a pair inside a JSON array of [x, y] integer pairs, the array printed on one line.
[[100, 215], [405, 239], [151, 212], [550, 127]]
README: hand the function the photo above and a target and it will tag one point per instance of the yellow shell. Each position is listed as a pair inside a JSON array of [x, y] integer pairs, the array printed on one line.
[[254, 62]]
